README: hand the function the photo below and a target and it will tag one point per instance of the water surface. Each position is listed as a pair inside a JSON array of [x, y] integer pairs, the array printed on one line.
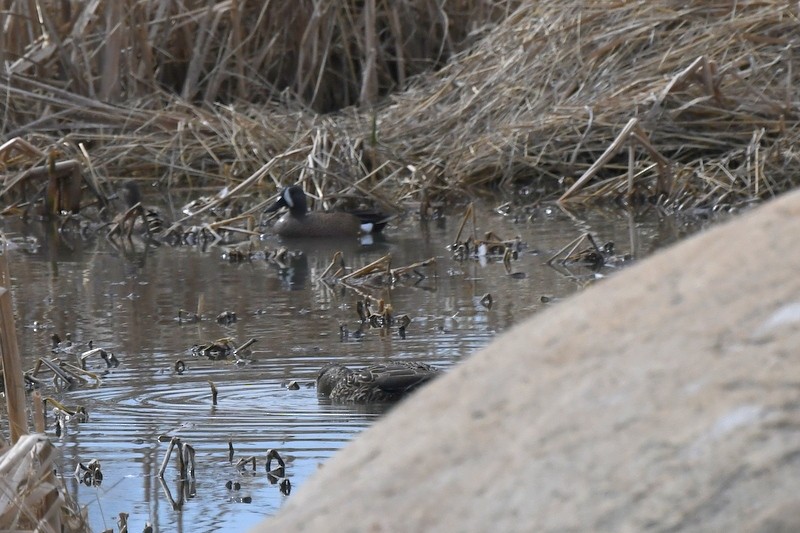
[[128, 304]]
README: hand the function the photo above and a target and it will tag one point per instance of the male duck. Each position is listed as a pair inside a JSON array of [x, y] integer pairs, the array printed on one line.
[[299, 222], [380, 383]]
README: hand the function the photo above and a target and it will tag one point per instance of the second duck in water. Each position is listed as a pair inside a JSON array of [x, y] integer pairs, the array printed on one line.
[[299, 222], [381, 383]]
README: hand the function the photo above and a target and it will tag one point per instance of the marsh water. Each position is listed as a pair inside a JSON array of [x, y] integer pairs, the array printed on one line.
[[127, 303]]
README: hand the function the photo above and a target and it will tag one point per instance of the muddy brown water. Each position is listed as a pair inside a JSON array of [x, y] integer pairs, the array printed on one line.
[[128, 305]]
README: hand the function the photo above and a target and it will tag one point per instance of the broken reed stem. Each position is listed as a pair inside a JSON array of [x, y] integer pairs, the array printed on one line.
[[379, 264], [594, 243], [335, 260], [201, 304], [664, 181], [631, 168], [39, 422], [280, 471], [80, 373], [399, 271], [55, 368], [610, 152], [172, 443], [632, 131], [9, 352], [214, 392], [244, 346], [573, 244], [223, 224], [242, 463], [188, 461], [181, 460], [185, 455], [467, 214]]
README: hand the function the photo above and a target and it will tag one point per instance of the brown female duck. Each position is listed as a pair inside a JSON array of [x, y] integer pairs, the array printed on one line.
[[379, 383]]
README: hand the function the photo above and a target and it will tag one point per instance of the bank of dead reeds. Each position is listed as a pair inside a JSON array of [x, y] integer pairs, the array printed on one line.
[[691, 103]]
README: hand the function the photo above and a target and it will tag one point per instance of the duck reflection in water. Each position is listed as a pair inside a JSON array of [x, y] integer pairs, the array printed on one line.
[[293, 272]]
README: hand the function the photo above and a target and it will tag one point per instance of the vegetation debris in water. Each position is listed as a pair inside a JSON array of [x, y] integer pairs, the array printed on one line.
[[185, 454], [594, 257], [226, 318], [383, 318], [214, 392], [223, 348], [90, 474]]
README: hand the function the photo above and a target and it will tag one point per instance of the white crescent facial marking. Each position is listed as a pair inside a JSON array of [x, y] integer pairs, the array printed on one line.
[[288, 198]]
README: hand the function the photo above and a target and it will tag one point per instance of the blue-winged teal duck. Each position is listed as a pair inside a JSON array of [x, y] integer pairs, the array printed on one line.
[[299, 222], [381, 383]]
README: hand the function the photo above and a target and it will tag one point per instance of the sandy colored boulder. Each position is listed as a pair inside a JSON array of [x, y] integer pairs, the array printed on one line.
[[665, 398]]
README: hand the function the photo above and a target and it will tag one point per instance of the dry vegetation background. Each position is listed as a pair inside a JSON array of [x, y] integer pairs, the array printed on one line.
[[411, 97]]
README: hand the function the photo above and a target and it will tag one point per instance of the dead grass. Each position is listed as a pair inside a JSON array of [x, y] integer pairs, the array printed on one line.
[[31, 496], [532, 95]]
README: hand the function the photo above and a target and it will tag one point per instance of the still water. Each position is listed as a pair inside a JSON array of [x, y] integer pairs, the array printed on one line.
[[128, 303]]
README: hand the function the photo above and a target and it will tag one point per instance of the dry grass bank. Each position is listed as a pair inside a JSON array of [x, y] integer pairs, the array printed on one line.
[[529, 94]]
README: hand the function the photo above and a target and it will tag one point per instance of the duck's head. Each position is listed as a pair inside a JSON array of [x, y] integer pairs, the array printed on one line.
[[329, 375], [130, 193], [293, 198]]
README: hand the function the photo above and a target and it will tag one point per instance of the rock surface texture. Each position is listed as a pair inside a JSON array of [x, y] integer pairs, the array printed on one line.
[[665, 398]]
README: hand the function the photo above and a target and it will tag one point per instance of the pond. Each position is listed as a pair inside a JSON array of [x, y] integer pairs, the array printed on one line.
[[128, 304]]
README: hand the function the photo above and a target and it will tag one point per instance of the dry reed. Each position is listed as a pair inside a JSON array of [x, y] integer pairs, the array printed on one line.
[[453, 98], [31, 495]]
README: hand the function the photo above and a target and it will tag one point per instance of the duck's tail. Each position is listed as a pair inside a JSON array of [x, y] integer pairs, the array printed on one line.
[[372, 221]]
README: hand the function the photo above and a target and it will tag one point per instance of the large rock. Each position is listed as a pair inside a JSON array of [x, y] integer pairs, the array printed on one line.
[[665, 398]]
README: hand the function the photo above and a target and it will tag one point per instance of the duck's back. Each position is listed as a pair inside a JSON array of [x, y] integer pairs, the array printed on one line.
[[379, 383]]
